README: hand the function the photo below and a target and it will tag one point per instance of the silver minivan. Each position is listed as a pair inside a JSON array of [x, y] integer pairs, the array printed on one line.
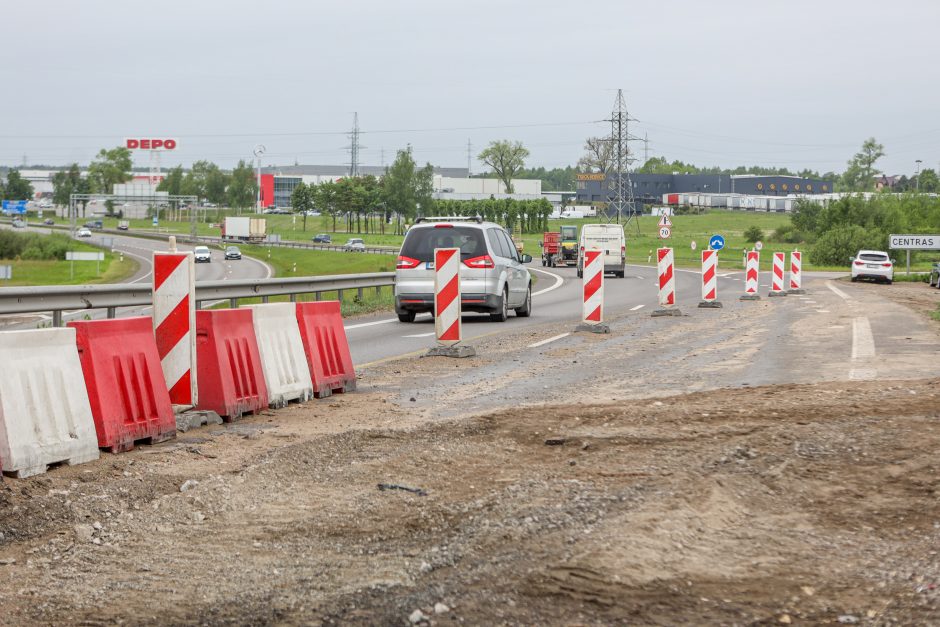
[[493, 278]]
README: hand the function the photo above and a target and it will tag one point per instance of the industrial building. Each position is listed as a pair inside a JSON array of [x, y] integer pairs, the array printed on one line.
[[651, 189]]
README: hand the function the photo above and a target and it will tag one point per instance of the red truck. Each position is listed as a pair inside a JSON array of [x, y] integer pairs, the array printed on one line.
[[552, 252]]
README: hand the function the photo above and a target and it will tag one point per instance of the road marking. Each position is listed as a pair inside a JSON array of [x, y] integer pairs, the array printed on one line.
[[642, 278], [822, 311], [863, 350], [549, 340], [837, 291], [637, 307], [421, 334], [559, 280], [373, 323]]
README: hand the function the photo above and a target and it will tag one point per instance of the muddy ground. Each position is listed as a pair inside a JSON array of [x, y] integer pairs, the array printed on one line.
[[793, 503]]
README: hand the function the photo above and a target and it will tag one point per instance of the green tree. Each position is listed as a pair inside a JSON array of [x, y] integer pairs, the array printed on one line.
[[753, 234], [216, 182], [598, 155], [399, 188], [927, 181], [325, 199], [505, 158], [65, 183], [17, 188], [860, 173], [301, 199], [172, 183], [110, 168], [243, 189]]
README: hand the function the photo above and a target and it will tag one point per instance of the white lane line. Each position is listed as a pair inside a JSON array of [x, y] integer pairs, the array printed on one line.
[[638, 307], [549, 340], [642, 278], [837, 291], [559, 280], [863, 350], [375, 322], [421, 334]]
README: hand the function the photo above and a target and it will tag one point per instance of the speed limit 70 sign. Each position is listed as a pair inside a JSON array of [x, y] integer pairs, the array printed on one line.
[[665, 232]]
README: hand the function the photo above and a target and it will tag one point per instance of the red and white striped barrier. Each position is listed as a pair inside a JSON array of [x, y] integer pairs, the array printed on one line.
[[592, 293], [174, 319], [776, 281], [709, 279], [665, 265], [447, 305], [751, 274], [796, 272]]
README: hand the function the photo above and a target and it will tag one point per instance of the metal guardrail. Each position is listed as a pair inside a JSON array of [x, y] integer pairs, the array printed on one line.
[[59, 298]]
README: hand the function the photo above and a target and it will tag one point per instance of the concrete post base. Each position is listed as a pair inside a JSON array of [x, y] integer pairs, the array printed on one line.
[[585, 327], [797, 291], [750, 297], [658, 313], [458, 351], [710, 304], [192, 419], [781, 293]]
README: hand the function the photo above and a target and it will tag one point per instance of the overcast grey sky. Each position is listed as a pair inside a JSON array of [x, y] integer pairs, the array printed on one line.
[[786, 83]]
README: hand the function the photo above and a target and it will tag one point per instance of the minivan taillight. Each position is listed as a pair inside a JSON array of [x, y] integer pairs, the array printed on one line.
[[480, 262], [859, 263], [887, 265], [406, 263]]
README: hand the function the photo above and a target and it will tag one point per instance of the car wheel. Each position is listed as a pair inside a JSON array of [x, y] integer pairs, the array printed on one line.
[[408, 316], [503, 312], [854, 279], [526, 310], [889, 281]]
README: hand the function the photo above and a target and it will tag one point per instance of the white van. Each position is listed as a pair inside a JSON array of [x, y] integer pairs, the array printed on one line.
[[610, 239], [572, 214]]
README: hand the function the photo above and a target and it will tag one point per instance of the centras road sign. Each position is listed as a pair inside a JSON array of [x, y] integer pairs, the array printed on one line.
[[914, 242], [665, 232], [150, 143], [717, 242]]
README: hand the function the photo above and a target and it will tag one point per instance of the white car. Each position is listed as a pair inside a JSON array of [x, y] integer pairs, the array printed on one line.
[[875, 265], [202, 254], [354, 245], [83, 233]]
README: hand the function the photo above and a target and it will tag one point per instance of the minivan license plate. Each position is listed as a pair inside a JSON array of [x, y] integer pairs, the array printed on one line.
[[873, 265]]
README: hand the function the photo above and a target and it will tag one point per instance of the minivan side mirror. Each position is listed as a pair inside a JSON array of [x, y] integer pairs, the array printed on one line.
[[894, 260], [851, 259], [526, 258]]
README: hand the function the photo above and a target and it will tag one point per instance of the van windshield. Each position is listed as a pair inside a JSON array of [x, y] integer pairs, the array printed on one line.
[[421, 242]]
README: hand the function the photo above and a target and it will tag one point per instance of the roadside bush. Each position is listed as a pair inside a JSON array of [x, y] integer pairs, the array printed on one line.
[[33, 246], [753, 234], [837, 245], [787, 234]]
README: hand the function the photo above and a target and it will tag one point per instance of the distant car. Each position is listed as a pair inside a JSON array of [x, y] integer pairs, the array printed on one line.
[[312, 214], [354, 245], [874, 265], [45, 204], [94, 224], [19, 224], [322, 238], [83, 232], [202, 254], [48, 221], [232, 252], [935, 274]]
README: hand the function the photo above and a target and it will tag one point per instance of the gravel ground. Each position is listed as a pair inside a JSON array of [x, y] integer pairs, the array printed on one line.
[[811, 500]]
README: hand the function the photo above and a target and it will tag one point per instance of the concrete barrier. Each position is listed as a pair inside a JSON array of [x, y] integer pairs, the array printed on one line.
[[45, 415], [283, 361]]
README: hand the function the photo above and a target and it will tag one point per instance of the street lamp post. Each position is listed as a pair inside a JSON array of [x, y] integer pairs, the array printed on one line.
[[917, 172], [259, 150]]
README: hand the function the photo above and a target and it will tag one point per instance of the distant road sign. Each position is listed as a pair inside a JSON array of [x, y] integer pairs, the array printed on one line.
[[6, 272], [665, 221], [83, 256], [14, 206], [694, 245], [758, 245], [665, 232], [717, 242]]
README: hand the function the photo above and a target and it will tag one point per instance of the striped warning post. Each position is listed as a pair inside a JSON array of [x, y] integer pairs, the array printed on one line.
[[796, 272], [174, 318], [776, 281], [709, 279], [666, 271], [592, 292], [447, 305], [751, 274]]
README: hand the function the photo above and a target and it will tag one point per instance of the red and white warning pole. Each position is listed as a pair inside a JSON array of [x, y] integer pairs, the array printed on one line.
[[796, 271], [709, 279], [174, 321], [751, 273], [447, 295], [592, 310], [776, 282], [667, 277]]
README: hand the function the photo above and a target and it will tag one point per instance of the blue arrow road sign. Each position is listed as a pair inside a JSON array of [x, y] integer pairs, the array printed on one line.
[[717, 242], [14, 206]]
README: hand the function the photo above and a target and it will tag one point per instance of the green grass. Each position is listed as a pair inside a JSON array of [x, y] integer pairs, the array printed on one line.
[[936, 314], [113, 270], [310, 262]]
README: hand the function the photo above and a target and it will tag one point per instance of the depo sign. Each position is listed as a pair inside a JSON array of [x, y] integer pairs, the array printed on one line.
[[150, 143]]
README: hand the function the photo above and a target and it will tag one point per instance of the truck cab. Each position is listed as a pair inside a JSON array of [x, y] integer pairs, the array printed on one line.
[[569, 241]]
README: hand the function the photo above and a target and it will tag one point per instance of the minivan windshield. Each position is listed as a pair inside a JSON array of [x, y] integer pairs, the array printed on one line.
[[421, 242]]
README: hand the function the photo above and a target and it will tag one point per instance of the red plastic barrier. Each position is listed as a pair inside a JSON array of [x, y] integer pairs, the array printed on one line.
[[324, 338], [128, 394], [228, 365]]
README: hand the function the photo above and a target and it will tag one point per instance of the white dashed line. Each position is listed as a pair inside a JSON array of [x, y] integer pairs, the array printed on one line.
[[837, 291], [549, 340], [637, 307]]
